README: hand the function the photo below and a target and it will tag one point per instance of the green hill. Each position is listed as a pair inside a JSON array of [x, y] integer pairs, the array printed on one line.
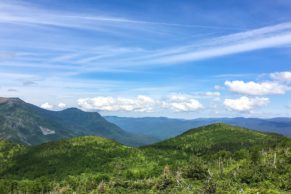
[[69, 157], [214, 137], [8, 151], [217, 158], [28, 124]]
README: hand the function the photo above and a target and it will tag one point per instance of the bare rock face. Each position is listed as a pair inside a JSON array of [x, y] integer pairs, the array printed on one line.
[[10, 100], [3, 100], [46, 131]]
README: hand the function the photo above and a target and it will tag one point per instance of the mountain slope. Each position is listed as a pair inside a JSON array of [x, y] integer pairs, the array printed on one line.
[[216, 158], [214, 137], [28, 124], [164, 128], [159, 127], [8, 151], [68, 157]]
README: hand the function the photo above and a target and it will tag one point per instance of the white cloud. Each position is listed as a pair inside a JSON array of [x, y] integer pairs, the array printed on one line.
[[178, 97], [182, 103], [282, 76], [212, 94], [185, 106], [46, 105], [289, 105], [62, 105], [176, 103], [217, 87], [103, 103], [245, 104], [254, 88], [29, 14], [261, 38]]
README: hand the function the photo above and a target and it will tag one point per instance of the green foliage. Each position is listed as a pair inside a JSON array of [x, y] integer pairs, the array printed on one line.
[[213, 138], [196, 169], [212, 159], [8, 151]]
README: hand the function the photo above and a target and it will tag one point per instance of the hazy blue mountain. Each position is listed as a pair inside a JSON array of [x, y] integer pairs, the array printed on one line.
[[28, 124], [163, 128]]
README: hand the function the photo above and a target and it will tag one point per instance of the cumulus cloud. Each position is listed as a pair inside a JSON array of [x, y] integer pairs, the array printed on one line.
[[245, 104], [182, 103], [107, 103], [62, 105], [281, 76], [46, 105], [177, 103], [254, 88]]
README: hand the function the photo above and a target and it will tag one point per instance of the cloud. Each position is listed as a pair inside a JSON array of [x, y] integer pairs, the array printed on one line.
[[62, 105], [212, 94], [12, 90], [182, 103], [46, 105], [7, 55], [217, 87], [176, 103], [282, 76], [261, 38], [28, 83], [254, 88], [245, 104], [24, 15], [103, 103]]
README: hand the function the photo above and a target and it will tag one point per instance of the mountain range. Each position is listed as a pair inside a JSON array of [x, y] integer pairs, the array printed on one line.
[[25, 123], [164, 128], [28, 124]]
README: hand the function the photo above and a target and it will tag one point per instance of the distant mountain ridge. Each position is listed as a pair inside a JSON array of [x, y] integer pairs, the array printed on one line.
[[28, 124], [163, 128]]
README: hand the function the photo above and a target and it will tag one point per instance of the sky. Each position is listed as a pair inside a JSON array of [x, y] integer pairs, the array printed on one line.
[[178, 58]]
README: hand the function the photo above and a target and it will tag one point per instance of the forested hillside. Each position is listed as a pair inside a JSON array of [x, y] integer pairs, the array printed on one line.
[[213, 159]]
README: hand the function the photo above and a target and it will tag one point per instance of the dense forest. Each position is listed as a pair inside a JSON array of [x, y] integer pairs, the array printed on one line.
[[217, 158]]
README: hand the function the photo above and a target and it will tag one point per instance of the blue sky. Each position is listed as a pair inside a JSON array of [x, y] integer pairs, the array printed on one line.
[[182, 58]]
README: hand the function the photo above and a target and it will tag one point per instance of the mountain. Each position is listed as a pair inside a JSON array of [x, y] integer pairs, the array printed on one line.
[[163, 128], [216, 137], [28, 124], [217, 158], [158, 127]]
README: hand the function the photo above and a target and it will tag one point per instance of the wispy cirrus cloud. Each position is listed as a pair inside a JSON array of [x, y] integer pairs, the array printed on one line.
[[28, 14], [261, 38], [84, 56]]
